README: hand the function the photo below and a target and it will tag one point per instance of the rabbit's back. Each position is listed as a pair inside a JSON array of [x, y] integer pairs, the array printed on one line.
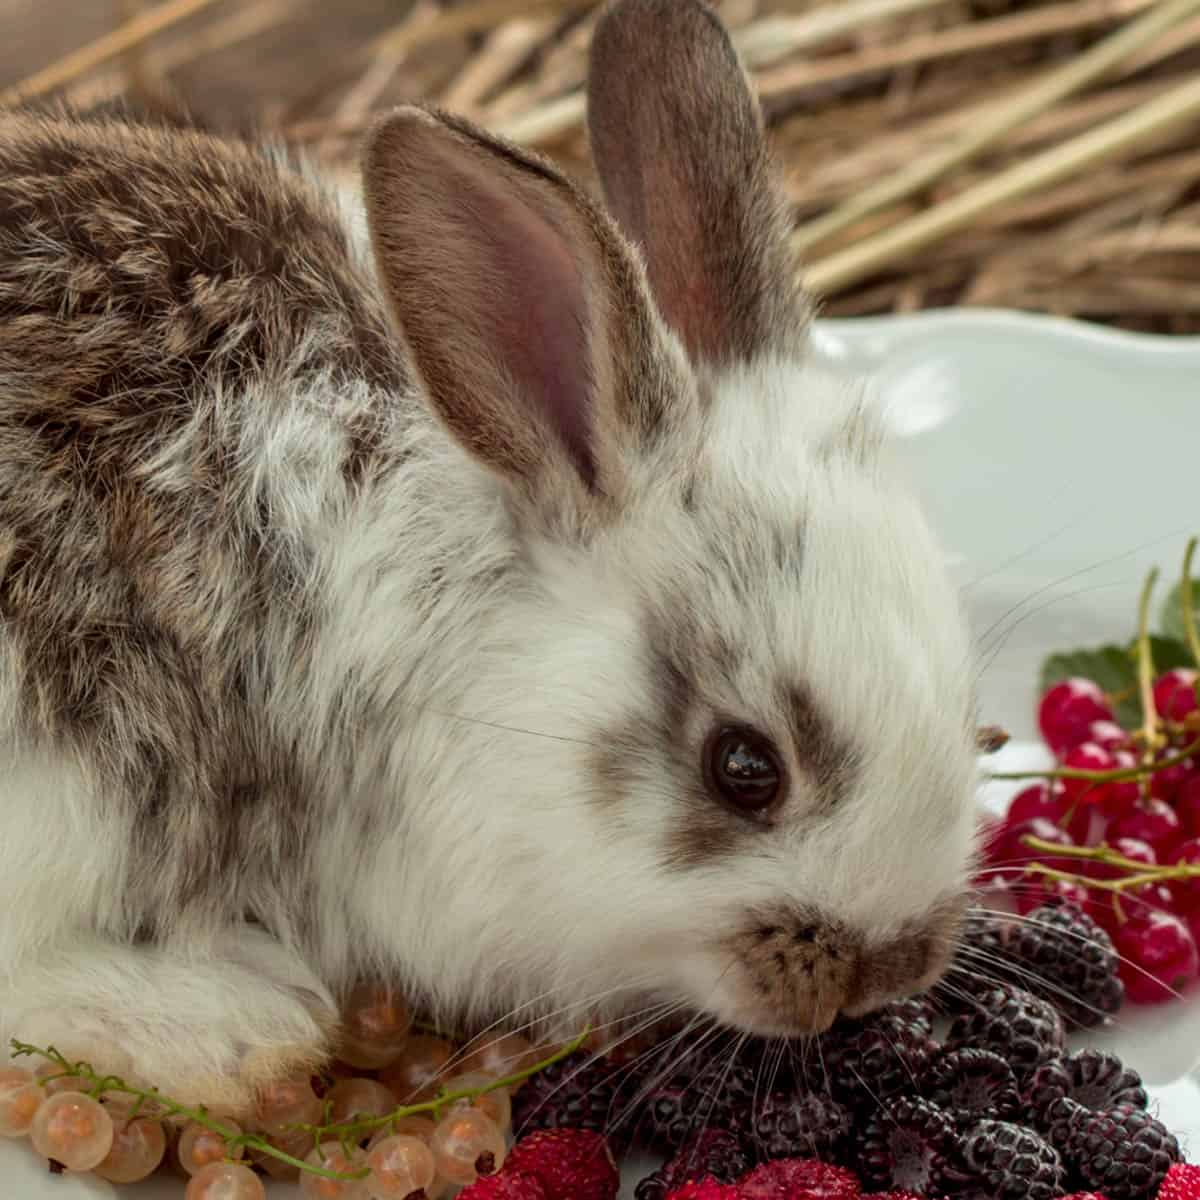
[[193, 371]]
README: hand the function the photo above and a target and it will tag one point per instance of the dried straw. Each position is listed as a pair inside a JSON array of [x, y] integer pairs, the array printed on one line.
[[1179, 106], [1028, 153], [105, 49]]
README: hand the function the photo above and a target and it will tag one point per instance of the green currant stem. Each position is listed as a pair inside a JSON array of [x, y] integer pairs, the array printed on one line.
[[110, 1083], [1157, 875], [348, 1133], [1185, 600], [355, 1130], [1114, 776], [1145, 670], [1140, 872]]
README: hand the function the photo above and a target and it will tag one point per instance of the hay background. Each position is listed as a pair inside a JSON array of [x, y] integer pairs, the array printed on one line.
[[1119, 243]]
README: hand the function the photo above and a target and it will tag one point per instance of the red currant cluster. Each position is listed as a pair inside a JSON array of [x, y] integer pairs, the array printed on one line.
[[1116, 828]]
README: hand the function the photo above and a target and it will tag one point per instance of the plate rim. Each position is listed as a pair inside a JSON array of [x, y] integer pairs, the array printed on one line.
[[1017, 320]]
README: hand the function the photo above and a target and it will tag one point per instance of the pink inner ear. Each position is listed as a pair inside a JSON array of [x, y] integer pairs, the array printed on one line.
[[524, 302]]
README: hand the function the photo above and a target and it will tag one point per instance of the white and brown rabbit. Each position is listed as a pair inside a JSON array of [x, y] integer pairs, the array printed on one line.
[[472, 587]]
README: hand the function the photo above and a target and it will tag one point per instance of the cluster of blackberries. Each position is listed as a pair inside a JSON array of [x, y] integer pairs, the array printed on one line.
[[997, 1108], [1057, 952]]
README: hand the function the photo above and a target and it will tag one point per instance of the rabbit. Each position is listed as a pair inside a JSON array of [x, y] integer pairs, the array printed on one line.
[[472, 583]]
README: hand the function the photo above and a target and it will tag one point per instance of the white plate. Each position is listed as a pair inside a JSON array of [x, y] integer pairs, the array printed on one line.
[[1059, 464]]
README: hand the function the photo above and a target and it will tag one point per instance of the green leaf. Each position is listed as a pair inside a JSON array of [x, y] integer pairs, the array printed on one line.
[[1114, 668], [1169, 652]]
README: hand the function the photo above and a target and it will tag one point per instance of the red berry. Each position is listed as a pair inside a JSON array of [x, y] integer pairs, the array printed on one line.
[[799, 1179], [892, 1196], [1187, 806], [1086, 757], [1149, 895], [1175, 694], [507, 1185], [1007, 854], [705, 1189], [1108, 735], [567, 1162], [1123, 793], [1036, 801], [1068, 709], [1128, 847], [1034, 892], [1158, 956], [1182, 1183], [1151, 820], [1166, 782], [1187, 891]]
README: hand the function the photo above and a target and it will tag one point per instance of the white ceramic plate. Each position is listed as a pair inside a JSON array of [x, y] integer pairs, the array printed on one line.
[[1059, 464]]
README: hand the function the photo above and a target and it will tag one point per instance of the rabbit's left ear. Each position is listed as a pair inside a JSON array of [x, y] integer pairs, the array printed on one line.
[[527, 315], [678, 140]]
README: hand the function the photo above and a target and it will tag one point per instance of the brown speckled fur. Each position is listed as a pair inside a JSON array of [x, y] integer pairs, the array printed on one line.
[[150, 281]]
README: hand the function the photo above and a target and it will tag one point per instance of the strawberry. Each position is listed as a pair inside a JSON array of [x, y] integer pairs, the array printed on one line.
[[1182, 1183], [570, 1164], [706, 1189], [508, 1185], [799, 1179]]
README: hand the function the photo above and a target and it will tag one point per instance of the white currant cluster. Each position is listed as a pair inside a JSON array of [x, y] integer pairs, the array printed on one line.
[[429, 1117]]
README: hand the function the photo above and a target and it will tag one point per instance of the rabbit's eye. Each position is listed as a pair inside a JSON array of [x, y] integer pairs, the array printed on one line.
[[743, 768]]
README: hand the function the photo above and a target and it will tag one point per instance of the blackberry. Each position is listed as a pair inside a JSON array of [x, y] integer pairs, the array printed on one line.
[[578, 1092], [800, 1125], [908, 1145], [1124, 1153], [980, 965], [1060, 1120], [1023, 1030], [1012, 1162], [972, 1085], [1070, 961], [699, 1095], [873, 1059], [912, 1010], [715, 1153], [1091, 1078]]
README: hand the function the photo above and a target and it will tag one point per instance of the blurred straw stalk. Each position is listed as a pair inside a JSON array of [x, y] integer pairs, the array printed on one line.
[[1039, 154]]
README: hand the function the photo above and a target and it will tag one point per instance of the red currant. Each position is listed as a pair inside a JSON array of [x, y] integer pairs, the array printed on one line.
[[1187, 891], [1007, 855], [1175, 694], [1086, 757], [1193, 923], [1187, 806], [1151, 820], [1040, 800], [1108, 735], [1122, 793], [1166, 782], [1033, 893], [1067, 710], [1158, 956], [1131, 848]]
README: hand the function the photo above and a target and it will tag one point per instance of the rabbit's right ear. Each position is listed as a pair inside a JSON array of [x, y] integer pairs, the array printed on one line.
[[525, 313], [677, 137]]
